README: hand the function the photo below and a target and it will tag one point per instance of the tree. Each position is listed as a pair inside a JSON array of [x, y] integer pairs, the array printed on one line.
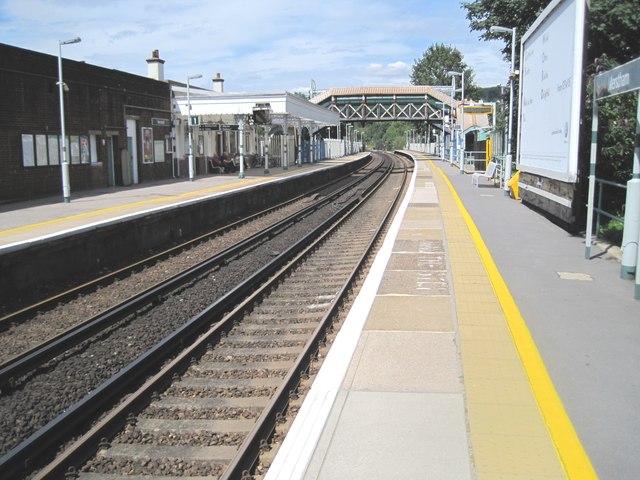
[[386, 135], [612, 40], [483, 14], [436, 61], [612, 31]]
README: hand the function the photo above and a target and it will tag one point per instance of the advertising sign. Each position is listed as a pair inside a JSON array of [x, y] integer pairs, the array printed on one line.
[[550, 92]]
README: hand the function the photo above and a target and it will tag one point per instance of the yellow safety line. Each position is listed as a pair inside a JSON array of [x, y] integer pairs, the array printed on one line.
[[125, 206], [574, 459]]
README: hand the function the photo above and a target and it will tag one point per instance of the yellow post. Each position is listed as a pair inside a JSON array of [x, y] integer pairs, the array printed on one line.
[[513, 185]]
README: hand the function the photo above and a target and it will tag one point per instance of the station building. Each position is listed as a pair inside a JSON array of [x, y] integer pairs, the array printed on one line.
[[124, 129], [115, 122], [282, 129]]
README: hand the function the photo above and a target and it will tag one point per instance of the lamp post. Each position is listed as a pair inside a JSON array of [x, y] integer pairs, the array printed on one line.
[[66, 188], [451, 122], [192, 166], [461, 144], [241, 132], [512, 74]]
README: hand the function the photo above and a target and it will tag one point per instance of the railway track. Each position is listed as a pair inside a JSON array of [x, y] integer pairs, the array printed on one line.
[[32, 359], [14, 316], [212, 409]]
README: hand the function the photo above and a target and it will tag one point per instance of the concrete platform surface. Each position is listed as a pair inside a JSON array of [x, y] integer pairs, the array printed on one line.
[[471, 308], [482, 344], [27, 220]]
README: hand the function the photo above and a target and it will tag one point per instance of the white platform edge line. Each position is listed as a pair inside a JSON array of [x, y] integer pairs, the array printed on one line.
[[295, 453]]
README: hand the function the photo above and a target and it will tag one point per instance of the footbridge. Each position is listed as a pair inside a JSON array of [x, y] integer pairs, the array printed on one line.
[[407, 103]]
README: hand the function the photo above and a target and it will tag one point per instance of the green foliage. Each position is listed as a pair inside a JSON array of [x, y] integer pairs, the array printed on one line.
[[612, 40], [386, 135], [436, 61], [304, 95], [490, 94], [614, 29], [612, 231], [483, 14]]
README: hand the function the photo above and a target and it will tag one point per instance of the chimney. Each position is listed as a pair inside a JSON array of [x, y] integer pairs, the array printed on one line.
[[155, 68], [218, 84]]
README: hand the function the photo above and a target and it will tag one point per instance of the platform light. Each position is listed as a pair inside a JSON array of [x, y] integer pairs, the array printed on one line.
[[191, 161], [512, 74], [461, 144], [66, 187]]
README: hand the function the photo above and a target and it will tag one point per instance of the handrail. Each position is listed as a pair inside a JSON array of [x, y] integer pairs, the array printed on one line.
[[598, 209]]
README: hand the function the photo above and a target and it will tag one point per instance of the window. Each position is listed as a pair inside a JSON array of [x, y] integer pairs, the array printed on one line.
[[94, 150]]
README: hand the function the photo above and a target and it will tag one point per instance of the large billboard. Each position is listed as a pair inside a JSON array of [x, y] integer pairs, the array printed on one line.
[[550, 92]]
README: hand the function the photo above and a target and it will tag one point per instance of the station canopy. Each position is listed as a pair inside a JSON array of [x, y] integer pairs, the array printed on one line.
[[227, 108]]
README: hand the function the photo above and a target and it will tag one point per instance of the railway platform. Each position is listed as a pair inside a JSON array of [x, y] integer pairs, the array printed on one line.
[[27, 221], [482, 345]]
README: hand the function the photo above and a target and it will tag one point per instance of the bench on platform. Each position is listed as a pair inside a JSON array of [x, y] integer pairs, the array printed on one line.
[[213, 168], [488, 174]]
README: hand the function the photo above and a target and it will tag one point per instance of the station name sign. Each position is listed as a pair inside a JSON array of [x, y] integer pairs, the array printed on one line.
[[622, 79], [218, 126], [161, 122]]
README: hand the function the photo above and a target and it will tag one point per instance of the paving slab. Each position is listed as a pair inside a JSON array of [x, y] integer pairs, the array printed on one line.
[[395, 435], [420, 313], [406, 361]]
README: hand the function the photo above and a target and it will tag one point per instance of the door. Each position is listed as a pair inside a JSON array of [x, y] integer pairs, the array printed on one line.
[[111, 173]]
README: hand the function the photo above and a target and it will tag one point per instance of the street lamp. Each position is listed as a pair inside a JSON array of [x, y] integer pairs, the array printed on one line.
[[461, 145], [66, 189], [191, 162], [241, 132], [512, 74]]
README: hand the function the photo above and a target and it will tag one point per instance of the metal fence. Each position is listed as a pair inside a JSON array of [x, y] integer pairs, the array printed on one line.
[[600, 184]]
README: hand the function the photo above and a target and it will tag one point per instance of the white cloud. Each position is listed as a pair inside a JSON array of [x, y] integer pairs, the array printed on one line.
[[257, 45]]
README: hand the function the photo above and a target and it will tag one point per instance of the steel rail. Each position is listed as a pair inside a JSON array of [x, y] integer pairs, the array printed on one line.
[[30, 360], [18, 460], [250, 450], [25, 313]]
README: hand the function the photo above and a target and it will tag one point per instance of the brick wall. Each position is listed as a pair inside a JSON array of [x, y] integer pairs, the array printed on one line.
[[98, 103]]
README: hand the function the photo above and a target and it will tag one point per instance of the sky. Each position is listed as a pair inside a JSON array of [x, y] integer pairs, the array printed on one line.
[[258, 46]]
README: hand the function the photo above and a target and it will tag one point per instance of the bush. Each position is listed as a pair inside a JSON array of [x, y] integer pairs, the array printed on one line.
[[612, 231]]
